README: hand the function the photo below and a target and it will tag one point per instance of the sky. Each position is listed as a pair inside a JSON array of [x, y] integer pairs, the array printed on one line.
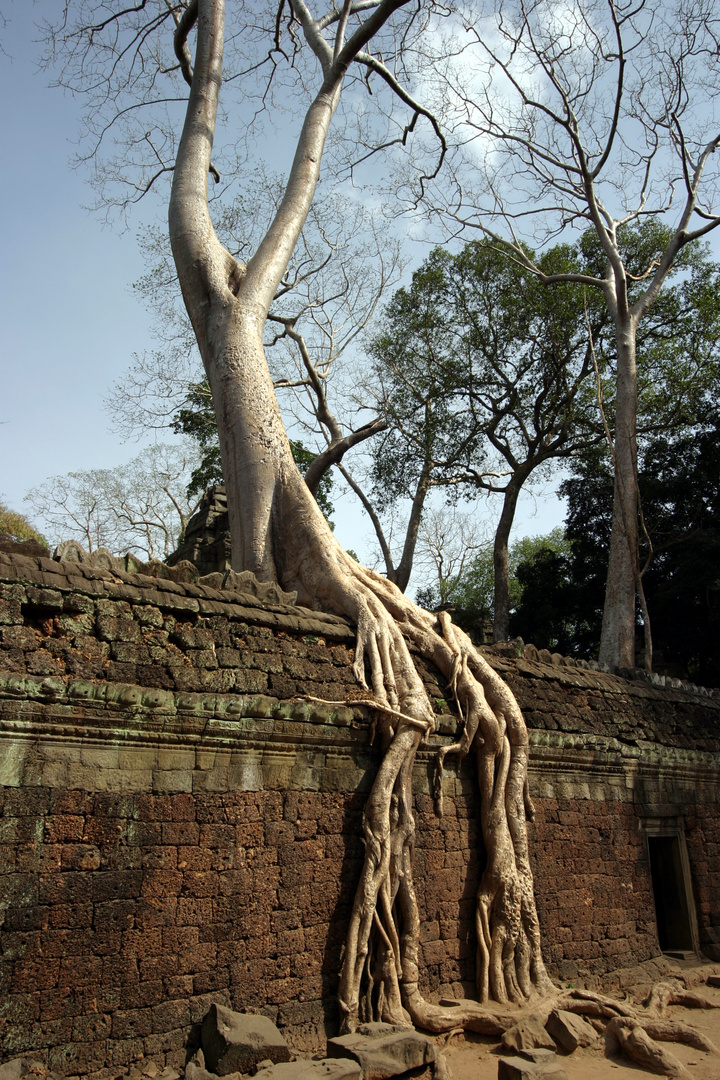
[[70, 321]]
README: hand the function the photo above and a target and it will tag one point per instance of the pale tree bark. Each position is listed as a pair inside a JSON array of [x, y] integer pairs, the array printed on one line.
[[501, 563], [617, 640], [279, 533]]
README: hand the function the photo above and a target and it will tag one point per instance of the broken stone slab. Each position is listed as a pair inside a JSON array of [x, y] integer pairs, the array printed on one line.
[[540, 1055], [324, 1069], [236, 1042], [570, 1031], [21, 1067], [713, 980], [384, 1050], [193, 1071], [526, 1035], [517, 1068]]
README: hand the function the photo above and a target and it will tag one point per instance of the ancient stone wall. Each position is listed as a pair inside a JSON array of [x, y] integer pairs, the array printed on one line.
[[180, 823]]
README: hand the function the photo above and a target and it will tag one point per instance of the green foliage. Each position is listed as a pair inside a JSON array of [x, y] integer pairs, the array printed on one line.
[[562, 598], [17, 526], [479, 363], [470, 594], [197, 419]]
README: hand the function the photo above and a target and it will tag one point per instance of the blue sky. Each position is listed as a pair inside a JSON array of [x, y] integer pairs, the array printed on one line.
[[70, 322]]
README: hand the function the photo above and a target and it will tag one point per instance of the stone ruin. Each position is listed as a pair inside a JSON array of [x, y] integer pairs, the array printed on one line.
[[181, 825]]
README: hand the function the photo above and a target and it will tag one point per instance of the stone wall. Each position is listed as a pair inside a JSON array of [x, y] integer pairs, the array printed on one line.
[[180, 823]]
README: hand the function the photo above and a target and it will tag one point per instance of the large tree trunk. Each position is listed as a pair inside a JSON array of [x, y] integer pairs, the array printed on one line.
[[279, 532], [501, 564], [617, 640]]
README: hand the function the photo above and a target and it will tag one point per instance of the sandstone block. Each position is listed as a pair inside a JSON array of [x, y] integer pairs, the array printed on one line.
[[570, 1031], [530, 1033], [326, 1069], [384, 1050], [236, 1042], [521, 1069]]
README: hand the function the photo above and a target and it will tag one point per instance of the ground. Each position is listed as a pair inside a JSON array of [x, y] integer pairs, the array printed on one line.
[[472, 1057]]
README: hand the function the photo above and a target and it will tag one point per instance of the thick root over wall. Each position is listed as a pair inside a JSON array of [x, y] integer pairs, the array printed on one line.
[[380, 976]]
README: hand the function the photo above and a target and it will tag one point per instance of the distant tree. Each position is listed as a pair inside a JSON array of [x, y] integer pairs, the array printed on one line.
[[486, 380], [17, 525], [470, 593], [679, 482], [596, 118], [141, 507]]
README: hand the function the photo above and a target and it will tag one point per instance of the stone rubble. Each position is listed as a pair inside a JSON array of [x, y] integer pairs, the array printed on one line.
[[570, 1031], [384, 1050], [538, 1064], [528, 1034], [236, 1042]]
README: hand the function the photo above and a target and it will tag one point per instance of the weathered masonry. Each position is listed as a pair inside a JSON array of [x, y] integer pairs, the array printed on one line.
[[180, 824]]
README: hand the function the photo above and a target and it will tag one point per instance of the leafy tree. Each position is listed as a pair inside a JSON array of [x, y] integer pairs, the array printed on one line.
[[489, 378], [17, 525], [486, 380], [679, 480], [470, 593], [597, 121]]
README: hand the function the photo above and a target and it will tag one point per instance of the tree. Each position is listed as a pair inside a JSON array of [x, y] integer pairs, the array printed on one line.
[[469, 593], [197, 420], [142, 506], [600, 120], [328, 294], [17, 526], [678, 479], [277, 529], [484, 376]]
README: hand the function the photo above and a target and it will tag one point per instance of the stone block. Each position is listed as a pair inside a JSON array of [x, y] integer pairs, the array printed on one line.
[[172, 780], [325, 1069], [518, 1068], [570, 1031], [236, 1042], [384, 1050], [528, 1034]]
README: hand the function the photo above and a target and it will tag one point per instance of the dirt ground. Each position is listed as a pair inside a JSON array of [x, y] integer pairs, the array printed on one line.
[[472, 1057]]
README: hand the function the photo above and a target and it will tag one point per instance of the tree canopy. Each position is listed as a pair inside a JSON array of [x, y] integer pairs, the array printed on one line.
[[562, 592], [598, 120]]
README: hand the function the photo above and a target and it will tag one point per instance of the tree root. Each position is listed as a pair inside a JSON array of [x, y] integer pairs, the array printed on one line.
[[380, 975], [638, 1033], [640, 1048], [379, 979], [672, 992]]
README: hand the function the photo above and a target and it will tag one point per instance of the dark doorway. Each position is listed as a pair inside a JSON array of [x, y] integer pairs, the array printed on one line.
[[670, 894]]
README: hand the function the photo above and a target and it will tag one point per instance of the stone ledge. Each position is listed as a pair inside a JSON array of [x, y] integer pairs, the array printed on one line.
[[104, 583]]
